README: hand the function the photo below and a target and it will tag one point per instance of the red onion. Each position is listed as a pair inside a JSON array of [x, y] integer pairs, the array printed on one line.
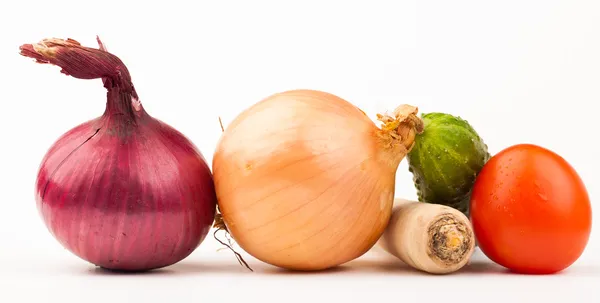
[[124, 191]]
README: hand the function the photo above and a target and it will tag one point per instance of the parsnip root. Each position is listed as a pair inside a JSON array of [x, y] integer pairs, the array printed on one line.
[[429, 237]]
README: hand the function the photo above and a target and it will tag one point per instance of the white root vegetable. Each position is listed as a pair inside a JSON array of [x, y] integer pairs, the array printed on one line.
[[429, 237]]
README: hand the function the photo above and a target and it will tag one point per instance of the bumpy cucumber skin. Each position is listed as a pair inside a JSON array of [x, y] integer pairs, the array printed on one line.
[[446, 159]]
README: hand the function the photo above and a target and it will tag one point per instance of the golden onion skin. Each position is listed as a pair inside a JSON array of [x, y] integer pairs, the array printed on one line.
[[305, 180]]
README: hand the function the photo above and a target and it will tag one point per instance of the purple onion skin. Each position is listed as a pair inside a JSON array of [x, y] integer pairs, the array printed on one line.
[[124, 191]]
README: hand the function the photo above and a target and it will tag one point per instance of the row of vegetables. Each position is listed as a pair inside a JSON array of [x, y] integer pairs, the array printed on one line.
[[302, 180]]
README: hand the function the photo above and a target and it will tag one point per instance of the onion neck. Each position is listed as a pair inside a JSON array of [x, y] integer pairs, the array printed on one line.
[[397, 133], [122, 106], [82, 62]]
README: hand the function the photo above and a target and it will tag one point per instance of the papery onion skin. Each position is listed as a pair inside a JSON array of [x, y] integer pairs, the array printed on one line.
[[124, 191], [306, 181]]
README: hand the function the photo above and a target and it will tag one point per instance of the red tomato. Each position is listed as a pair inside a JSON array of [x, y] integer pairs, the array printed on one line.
[[530, 210]]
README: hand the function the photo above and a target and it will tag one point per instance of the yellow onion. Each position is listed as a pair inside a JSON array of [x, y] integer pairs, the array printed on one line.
[[305, 180]]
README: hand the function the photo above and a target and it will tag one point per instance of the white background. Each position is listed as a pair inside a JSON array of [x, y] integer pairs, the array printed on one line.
[[519, 71]]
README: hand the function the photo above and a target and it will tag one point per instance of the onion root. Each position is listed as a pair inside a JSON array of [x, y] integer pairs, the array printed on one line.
[[220, 225]]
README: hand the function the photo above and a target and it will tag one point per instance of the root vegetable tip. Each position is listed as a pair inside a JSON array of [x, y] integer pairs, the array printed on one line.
[[450, 240]]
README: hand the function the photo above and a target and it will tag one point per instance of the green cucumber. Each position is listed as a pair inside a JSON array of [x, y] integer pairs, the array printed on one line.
[[446, 159]]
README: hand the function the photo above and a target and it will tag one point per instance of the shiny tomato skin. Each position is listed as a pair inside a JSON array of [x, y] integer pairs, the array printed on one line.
[[530, 210]]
